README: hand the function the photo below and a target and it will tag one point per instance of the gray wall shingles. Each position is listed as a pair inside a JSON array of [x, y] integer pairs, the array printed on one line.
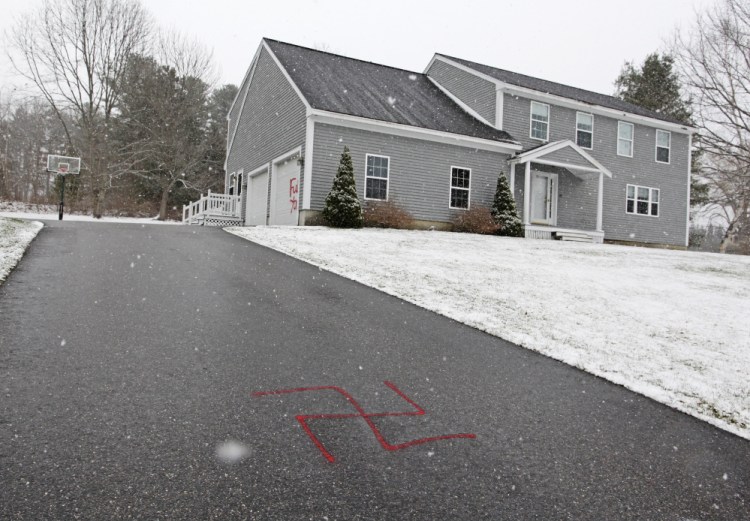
[[477, 93], [419, 177], [272, 121]]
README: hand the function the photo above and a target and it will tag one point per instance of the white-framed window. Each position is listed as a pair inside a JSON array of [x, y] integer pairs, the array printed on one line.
[[642, 200], [232, 180], [585, 130], [460, 187], [539, 121], [663, 146], [376, 177], [625, 132], [238, 182]]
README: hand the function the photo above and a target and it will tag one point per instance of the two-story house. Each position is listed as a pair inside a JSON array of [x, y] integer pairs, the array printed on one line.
[[435, 143]]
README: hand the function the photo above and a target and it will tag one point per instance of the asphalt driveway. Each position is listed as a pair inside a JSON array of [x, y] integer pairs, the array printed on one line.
[[165, 372]]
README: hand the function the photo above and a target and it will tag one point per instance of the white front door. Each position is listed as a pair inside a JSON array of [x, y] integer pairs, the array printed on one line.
[[544, 199]]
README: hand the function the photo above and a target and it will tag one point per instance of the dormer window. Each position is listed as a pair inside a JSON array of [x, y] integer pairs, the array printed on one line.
[[539, 121]]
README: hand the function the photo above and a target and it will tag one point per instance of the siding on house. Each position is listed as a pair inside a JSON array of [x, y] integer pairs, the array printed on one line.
[[642, 169], [477, 93], [272, 120], [420, 171]]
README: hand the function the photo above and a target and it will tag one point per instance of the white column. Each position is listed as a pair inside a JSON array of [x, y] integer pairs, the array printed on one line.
[[513, 180], [600, 202], [527, 194]]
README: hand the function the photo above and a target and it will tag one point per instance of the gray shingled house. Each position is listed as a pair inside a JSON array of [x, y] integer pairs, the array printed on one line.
[[580, 164]]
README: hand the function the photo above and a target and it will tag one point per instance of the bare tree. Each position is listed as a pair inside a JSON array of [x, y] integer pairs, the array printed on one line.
[[714, 61], [75, 52]]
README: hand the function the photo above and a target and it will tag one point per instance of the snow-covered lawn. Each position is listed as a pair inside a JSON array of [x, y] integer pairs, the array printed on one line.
[[672, 325], [15, 236], [48, 212]]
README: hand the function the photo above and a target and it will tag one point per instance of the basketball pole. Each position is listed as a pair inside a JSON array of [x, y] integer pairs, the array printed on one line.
[[62, 199]]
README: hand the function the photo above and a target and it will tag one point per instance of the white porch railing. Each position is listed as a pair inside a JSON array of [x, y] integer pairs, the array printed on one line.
[[221, 206]]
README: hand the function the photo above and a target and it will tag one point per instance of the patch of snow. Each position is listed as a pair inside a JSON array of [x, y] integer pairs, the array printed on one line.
[[671, 325], [15, 237]]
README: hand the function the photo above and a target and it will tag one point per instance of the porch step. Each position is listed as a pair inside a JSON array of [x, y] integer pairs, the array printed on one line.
[[572, 236]]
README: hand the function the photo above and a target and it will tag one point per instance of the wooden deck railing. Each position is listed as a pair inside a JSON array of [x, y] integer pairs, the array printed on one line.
[[211, 205]]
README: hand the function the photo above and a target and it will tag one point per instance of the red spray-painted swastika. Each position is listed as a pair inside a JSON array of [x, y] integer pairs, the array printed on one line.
[[304, 419]]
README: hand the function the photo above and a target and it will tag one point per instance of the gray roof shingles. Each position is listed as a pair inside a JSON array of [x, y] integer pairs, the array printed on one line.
[[565, 91], [358, 88]]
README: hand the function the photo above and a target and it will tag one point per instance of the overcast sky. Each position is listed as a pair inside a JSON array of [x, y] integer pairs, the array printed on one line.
[[583, 43]]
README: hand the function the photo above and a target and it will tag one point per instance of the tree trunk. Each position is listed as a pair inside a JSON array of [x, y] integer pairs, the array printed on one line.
[[165, 200]]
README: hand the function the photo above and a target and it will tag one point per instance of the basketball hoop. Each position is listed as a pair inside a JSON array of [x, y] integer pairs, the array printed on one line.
[[63, 165]]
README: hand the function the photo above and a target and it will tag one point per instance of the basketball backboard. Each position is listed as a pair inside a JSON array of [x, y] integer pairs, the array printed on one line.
[[63, 164]]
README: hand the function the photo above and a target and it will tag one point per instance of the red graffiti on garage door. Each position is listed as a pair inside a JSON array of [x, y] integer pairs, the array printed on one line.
[[304, 419], [293, 191]]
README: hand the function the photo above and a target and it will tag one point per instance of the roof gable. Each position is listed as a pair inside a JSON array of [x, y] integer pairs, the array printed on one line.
[[564, 91], [353, 87]]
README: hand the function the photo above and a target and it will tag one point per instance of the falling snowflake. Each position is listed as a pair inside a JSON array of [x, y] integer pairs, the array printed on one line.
[[231, 452], [413, 77], [62, 343], [391, 100]]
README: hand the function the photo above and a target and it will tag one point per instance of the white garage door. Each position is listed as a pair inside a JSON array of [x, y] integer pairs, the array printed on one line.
[[285, 193], [257, 197]]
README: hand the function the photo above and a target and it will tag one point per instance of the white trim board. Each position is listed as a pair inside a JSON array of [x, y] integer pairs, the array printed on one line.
[[535, 155], [276, 60], [398, 129], [258, 171], [308, 157], [567, 102]]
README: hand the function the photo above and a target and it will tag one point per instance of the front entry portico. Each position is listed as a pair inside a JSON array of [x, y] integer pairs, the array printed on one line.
[[556, 198]]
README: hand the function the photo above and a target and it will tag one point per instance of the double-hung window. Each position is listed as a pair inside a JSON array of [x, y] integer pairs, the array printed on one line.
[[663, 145], [585, 130], [376, 177], [625, 132], [460, 187], [642, 200], [539, 121]]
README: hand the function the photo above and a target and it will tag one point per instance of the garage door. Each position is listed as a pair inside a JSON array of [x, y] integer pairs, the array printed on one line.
[[285, 193], [257, 197]]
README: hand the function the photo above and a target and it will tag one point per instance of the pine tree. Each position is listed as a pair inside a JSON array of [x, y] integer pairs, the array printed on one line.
[[654, 86], [343, 209], [504, 210]]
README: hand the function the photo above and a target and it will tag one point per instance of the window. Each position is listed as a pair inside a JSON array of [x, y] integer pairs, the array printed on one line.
[[460, 187], [663, 144], [232, 180], [539, 121], [624, 139], [584, 130], [642, 200], [376, 177]]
